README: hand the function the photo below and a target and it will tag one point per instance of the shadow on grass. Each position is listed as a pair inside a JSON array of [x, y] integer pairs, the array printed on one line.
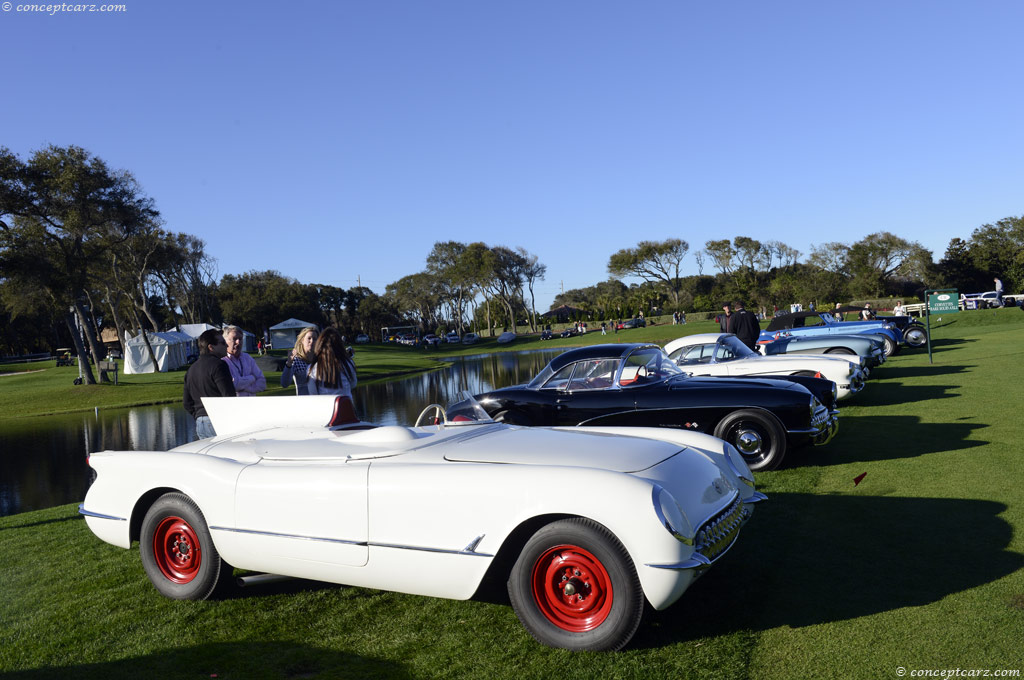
[[255, 659], [69, 518], [887, 371], [873, 438], [894, 393], [808, 559]]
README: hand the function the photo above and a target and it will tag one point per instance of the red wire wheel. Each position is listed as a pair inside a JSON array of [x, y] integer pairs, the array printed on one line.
[[177, 550], [572, 588]]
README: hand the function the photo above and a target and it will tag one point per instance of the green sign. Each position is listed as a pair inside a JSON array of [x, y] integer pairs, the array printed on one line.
[[944, 303]]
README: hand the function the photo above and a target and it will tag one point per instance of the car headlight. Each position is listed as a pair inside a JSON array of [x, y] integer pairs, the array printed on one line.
[[738, 465], [671, 515]]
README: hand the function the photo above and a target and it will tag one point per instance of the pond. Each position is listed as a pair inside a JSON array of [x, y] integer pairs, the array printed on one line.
[[42, 460]]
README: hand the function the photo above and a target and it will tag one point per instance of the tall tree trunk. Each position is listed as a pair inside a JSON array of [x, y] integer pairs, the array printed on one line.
[[76, 340], [90, 335], [145, 340], [119, 325]]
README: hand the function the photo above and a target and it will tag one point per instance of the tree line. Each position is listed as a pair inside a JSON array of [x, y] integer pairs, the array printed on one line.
[[82, 248], [770, 274]]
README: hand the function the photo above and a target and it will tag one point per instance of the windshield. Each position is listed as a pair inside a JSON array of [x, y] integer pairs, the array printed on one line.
[[647, 366], [731, 347], [466, 411]]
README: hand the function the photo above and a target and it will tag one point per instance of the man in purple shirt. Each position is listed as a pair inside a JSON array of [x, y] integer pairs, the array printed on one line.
[[246, 375]]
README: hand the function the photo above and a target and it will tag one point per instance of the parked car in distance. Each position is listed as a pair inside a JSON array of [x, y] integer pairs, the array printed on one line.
[[823, 323], [431, 340], [723, 354], [453, 338], [638, 322], [470, 338], [870, 349], [639, 385], [986, 300], [362, 339], [506, 337], [290, 488], [913, 331]]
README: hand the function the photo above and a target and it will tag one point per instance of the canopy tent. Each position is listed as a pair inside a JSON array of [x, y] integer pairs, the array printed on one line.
[[170, 348], [284, 334], [194, 330]]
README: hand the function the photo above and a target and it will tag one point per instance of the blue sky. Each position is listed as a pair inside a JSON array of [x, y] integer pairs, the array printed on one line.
[[336, 141]]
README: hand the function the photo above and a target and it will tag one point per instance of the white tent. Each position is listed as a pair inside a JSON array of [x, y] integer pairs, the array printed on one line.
[[284, 334], [194, 330], [171, 350]]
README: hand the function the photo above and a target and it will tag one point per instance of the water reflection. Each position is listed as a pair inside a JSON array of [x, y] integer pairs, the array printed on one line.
[[42, 460]]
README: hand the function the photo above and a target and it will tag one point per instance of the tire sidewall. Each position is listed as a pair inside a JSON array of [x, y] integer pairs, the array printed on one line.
[[211, 568], [773, 458], [627, 596]]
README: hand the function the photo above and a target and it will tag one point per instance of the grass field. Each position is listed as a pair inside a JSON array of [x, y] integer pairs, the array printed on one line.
[[919, 567]]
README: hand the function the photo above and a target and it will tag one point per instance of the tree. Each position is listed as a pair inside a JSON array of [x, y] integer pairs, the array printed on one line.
[[59, 213], [721, 253], [998, 250], [653, 261], [258, 300], [875, 261]]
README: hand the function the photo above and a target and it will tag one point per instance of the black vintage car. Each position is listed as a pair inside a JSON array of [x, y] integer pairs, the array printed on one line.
[[638, 385]]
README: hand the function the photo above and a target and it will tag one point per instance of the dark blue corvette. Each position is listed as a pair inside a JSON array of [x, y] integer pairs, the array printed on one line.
[[638, 385]]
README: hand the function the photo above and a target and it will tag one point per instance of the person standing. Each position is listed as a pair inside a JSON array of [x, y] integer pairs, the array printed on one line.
[[999, 291], [745, 326], [899, 309], [246, 375], [207, 377], [725, 320], [332, 370], [867, 314], [296, 367]]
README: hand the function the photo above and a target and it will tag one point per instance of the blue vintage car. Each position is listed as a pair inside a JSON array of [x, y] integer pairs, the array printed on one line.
[[810, 323]]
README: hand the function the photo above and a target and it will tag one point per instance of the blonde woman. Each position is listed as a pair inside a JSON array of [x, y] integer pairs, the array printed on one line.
[[332, 371], [296, 367]]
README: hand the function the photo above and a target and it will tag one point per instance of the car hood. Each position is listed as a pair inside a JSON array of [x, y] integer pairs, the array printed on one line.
[[738, 383], [562, 447]]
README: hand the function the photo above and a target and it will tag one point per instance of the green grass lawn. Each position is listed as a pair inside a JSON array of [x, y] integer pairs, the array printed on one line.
[[918, 566]]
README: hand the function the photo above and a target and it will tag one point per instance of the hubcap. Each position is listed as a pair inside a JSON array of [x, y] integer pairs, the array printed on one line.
[[748, 441], [571, 588], [176, 550]]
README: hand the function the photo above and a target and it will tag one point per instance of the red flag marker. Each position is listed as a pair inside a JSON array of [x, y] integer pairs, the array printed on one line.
[[859, 478]]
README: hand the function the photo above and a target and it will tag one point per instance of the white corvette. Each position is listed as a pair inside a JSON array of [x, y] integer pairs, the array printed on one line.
[[723, 354], [583, 523]]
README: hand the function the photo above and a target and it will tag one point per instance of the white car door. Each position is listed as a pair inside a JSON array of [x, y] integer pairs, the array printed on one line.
[[305, 511]]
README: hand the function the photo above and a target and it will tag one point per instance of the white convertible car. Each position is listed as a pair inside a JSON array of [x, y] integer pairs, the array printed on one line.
[[583, 523], [724, 354]]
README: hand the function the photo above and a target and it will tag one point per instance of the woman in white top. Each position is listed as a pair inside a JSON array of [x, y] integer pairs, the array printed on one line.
[[332, 370], [899, 309]]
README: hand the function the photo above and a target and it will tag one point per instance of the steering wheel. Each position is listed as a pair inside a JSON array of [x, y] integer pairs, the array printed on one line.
[[439, 415]]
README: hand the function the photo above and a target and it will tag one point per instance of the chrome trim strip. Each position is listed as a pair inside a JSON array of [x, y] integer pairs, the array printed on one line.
[[698, 561], [468, 550], [296, 536], [464, 551], [756, 498], [89, 513]]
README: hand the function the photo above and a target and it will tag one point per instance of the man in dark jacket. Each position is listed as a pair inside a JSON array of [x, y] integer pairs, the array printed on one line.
[[208, 377], [743, 324]]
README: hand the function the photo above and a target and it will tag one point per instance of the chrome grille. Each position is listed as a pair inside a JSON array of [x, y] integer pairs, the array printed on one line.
[[716, 535], [819, 421]]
